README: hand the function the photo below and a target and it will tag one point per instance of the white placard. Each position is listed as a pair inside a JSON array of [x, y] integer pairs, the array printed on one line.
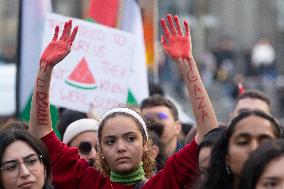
[[96, 70]]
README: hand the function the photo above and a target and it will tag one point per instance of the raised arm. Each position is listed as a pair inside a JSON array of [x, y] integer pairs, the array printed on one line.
[[57, 50], [178, 46]]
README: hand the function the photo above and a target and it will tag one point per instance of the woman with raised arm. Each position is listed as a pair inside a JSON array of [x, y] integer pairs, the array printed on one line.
[[179, 48], [123, 160], [57, 50]]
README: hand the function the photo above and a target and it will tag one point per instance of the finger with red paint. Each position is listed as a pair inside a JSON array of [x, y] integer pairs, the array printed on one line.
[[171, 24], [165, 29], [57, 50], [66, 30], [55, 36], [164, 44], [179, 30], [187, 30], [177, 45], [174, 43], [73, 35]]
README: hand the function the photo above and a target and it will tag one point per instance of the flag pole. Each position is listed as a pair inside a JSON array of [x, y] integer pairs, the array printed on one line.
[[120, 13], [150, 35], [18, 61], [155, 37]]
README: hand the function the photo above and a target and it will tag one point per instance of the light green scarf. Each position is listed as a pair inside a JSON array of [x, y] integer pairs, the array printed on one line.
[[131, 178]]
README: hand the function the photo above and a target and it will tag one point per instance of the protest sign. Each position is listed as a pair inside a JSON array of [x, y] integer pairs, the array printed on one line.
[[97, 69]]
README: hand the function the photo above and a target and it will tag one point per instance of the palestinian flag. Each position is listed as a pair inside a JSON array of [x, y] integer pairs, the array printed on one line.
[[104, 12], [126, 15], [31, 27], [131, 21]]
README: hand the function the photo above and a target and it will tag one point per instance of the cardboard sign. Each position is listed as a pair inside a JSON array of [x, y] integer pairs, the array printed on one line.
[[96, 70]]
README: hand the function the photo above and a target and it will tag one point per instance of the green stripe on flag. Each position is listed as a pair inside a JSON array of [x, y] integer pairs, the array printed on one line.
[[89, 19], [131, 100], [25, 115]]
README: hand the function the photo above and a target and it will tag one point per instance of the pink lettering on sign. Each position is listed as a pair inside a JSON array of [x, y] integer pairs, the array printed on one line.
[[72, 96], [53, 23], [99, 51], [92, 33], [114, 70], [81, 45], [84, 31], [116, 88], [87, 47], [105, 103], [119, 40], [59, 73]]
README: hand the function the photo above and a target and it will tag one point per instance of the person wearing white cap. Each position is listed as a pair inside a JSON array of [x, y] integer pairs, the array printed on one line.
[[83, 134]]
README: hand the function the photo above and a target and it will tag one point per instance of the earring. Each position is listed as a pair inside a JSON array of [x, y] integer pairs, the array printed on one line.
[[228, 169]]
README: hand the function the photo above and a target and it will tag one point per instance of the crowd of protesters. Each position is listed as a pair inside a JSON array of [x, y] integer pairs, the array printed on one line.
[[145, 146]]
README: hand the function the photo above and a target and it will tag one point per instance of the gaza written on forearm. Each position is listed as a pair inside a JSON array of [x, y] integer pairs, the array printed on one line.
[[201, 104], [55, 52], [40, 111]]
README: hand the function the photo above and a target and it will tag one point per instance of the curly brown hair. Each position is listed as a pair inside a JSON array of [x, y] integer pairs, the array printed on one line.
[[147, 158]]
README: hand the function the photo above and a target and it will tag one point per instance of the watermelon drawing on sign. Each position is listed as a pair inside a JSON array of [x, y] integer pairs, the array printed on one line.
[[81, 77]]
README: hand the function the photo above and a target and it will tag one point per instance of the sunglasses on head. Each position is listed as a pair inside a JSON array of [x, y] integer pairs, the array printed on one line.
[[85, 147], [157, 115]]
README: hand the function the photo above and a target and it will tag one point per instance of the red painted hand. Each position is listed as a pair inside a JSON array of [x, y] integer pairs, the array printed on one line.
[[174, 42], [57, 50]]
